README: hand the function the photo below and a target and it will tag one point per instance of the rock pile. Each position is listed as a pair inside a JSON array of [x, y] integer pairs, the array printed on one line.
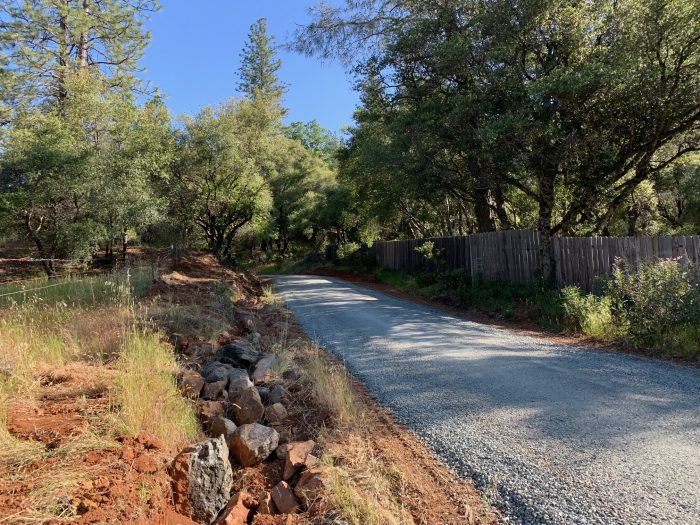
[[243, 412]]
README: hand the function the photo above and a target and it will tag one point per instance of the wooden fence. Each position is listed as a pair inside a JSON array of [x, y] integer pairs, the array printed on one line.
[[514, 255]]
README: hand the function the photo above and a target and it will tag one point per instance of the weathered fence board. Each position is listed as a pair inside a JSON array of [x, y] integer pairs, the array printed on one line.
[[515, 255]]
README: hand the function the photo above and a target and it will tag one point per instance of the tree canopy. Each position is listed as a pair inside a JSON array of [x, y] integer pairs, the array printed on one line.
[[572, 118]]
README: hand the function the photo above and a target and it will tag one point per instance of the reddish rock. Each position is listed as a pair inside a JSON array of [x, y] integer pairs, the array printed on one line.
[[284, 498], [248, 407], [295, 459], [151, 443], [263, 370], [191, 383], [311, 462], [267, 505], [310, 486], [252, 444], [276, 414], [237, 511], [210, 409], [145, 464]]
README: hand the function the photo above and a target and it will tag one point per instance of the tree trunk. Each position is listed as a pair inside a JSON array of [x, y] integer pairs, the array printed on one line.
[[484, 213], [125, 245], [544, 222]]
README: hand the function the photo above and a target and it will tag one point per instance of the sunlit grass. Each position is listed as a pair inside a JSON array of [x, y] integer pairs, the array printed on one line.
[[115, 288], [147, 399]]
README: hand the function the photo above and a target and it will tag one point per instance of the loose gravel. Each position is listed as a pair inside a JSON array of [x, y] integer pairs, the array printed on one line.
[[551, 433]]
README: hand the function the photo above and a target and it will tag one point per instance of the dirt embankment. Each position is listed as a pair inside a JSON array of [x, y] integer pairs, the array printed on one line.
[[379, 472]]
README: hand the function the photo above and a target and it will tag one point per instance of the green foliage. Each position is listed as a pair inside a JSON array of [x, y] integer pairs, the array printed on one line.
[[590, 314], [501, 298], [484, 115], [314, 138], [347, 251], [657, 303], [46, 42], [260, 66], [74, 179], [299, 180], [427, 250], [218, 183]]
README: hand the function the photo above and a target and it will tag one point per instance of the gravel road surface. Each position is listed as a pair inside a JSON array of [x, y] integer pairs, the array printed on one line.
[[551, 433]]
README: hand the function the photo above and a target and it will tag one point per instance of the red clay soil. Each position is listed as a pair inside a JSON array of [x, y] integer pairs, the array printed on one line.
[[124, 483]]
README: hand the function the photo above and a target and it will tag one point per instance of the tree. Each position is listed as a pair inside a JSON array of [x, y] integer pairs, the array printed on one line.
[[314, 138], [45, 42], [219, 180], [258, 74], [568, 105], [298, 184], [77, 178], [45, 193]]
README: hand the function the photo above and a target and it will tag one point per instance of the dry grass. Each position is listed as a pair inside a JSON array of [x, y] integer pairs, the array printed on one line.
[[49, 499], [364, 488], [187, 319], [88, 321], [147, 398], [332, 390]]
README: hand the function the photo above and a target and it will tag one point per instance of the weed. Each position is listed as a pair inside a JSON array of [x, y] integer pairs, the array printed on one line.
[[332, 389]]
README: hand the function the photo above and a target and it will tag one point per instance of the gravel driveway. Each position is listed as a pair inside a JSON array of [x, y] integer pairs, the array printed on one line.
[[551, 433]]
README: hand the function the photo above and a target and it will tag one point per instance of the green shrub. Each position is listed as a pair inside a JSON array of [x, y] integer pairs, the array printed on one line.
[[346, 251], [658, 304], [590, 314], [356, 257]]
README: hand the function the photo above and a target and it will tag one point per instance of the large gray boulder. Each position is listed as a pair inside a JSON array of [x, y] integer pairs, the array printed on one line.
[[216, 371], [252, 444], [263, 372], [202, 480], [221, 426]]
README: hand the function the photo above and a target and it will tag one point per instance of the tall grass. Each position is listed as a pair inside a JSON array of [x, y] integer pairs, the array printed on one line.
[[116, 288], [147, 399], [332, 389], [48, 325], [364, 488], [68, 320]]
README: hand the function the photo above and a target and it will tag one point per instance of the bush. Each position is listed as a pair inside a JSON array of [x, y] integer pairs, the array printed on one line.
[[590, 314], [356, 256], [658, 305]]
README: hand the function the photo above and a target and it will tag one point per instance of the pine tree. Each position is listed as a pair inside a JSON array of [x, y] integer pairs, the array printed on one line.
[[44, 43], [260, 66]]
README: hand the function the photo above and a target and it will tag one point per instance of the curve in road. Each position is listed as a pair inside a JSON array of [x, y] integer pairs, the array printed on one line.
[[551, 433]]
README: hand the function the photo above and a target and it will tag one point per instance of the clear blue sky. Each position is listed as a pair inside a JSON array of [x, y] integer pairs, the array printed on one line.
[[194, 57]]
